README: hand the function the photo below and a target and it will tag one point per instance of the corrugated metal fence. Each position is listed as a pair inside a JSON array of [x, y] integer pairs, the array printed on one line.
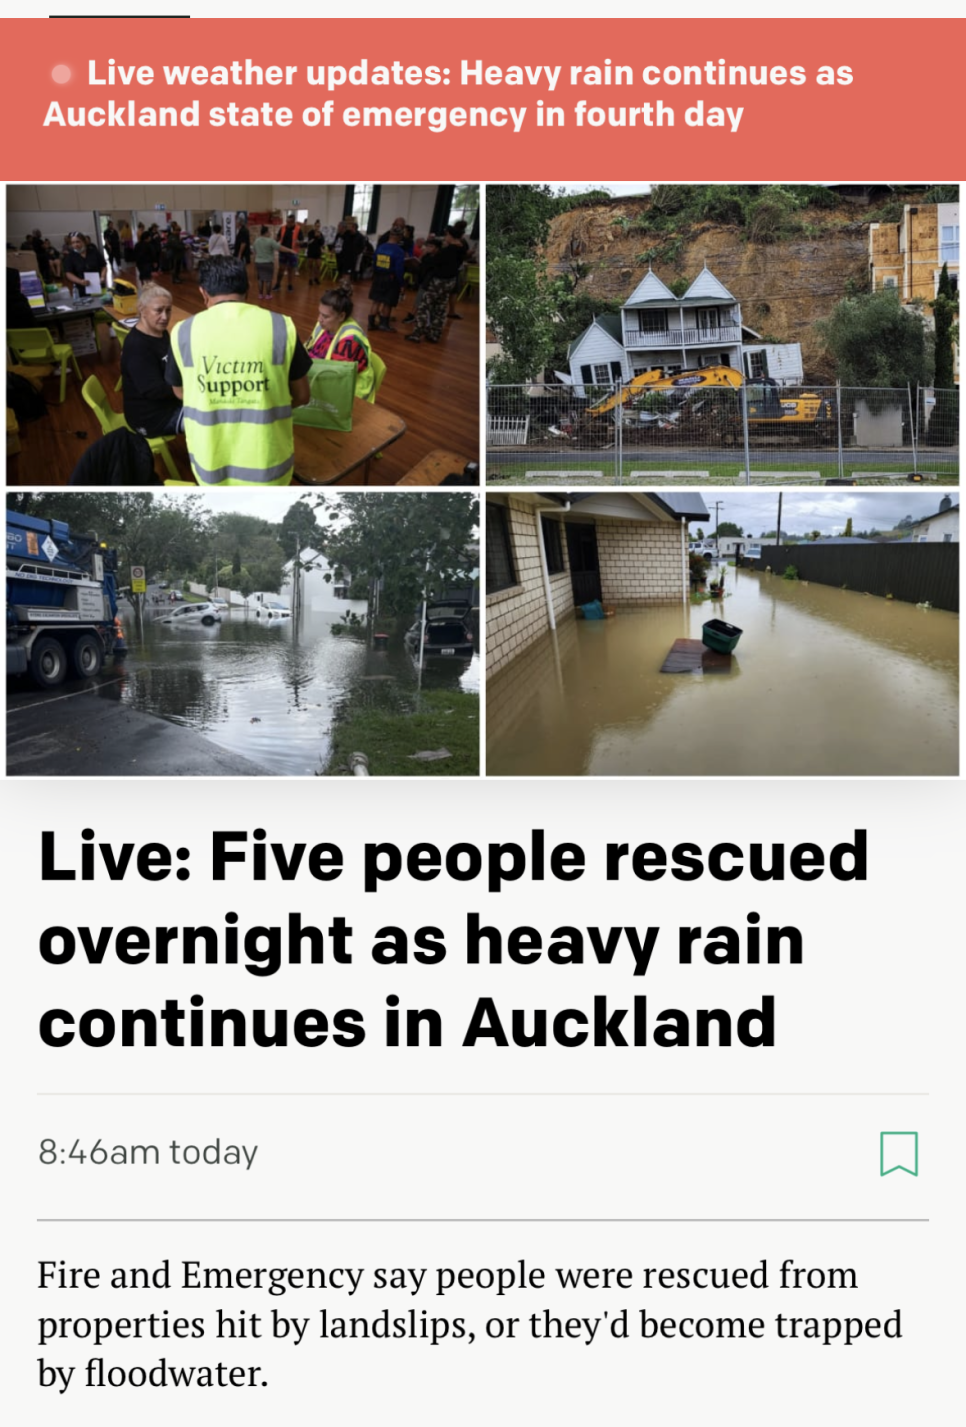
[[917, 573]]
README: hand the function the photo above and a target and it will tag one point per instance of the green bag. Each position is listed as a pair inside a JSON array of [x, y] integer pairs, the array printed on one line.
[[333, 386]]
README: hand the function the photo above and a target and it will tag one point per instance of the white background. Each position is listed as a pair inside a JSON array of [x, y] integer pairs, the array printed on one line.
[[479, 1157]]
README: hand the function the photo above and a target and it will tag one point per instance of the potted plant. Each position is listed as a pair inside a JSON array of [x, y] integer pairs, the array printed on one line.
[[698, 569]]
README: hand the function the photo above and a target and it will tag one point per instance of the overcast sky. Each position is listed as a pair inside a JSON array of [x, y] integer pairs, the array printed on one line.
[[826, 510], [617, 189]]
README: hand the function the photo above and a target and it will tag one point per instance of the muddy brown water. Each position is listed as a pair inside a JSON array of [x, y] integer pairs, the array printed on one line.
[[272, 691], [822, 681]]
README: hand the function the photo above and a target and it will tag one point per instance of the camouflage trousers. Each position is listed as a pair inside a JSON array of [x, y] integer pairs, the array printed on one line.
[[431, 308]]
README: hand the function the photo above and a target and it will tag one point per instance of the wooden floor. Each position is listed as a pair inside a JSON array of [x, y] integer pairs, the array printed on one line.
[[435, 389]]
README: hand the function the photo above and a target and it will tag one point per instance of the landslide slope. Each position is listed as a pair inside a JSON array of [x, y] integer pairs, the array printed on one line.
[[784, 287]]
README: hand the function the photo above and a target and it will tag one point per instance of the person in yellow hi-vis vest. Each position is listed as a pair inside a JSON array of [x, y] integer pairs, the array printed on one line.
[[239, 370], [337, 338]]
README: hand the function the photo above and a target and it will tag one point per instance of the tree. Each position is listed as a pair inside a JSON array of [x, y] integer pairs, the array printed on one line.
[[728, 527], [944, 422], [236, 563], [166, 534], [875, 342], [407, 542], [300, 521], [521, 310], [699, 534], [517, 219], [848, 527]]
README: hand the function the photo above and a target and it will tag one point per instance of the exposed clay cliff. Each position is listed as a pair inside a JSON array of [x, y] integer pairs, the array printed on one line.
[[784, 287]]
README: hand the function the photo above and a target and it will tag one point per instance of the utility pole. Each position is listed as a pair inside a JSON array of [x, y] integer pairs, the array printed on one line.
[[296, 579], [717, 506], [778, 528]]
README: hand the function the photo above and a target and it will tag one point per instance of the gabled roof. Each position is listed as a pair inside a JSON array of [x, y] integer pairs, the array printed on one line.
[[609, 322], [707, 288], [950, 510], [650, 289]]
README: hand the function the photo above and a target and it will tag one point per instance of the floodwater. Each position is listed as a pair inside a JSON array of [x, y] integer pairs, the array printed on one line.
[[823, 681], [272, 691]]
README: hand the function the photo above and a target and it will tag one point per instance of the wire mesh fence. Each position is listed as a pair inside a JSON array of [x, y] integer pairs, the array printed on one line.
[[693, 432]]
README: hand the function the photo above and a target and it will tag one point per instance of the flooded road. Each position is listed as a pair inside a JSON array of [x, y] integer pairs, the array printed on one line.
[[270, 691], [823, 681]]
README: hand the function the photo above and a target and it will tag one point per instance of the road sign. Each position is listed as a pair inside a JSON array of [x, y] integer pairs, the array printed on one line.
[[138, 580]]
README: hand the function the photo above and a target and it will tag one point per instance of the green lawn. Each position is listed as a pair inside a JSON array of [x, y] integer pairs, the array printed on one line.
[[723, 473], [446, 719]]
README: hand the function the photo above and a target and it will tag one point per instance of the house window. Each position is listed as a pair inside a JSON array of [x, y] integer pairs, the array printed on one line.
[[949, 247], [890, 282], [947, 538], [758, 364], [500, 570], [553, 545], [652, 322]]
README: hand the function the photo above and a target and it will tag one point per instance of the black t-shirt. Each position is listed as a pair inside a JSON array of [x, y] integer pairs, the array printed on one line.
[[76, 263], [149, 401], [316, 243], [451, 257]]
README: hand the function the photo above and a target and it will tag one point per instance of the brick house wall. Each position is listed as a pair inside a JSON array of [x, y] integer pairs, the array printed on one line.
[[641, 562], [515, 617]]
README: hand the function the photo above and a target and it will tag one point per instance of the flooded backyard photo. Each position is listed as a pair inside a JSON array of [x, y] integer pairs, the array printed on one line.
[[823, 681]]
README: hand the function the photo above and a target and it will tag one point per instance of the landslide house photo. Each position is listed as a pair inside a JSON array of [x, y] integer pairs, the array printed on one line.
[[252, 335]]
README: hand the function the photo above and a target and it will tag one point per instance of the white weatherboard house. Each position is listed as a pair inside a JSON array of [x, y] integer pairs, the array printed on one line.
[[656, 329], [942, 528], [321, 595]]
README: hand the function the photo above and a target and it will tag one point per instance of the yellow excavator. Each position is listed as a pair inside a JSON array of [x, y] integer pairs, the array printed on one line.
[[768, 408]]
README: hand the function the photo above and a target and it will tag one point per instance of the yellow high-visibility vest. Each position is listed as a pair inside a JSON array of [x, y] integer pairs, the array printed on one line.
[[234, 361], [366, 380]]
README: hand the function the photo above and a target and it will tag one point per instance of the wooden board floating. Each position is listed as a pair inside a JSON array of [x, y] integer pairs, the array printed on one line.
[[690, 656]]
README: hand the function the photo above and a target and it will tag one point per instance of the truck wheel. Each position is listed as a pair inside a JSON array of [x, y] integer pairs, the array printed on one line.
[[48, 662], [87, 657]]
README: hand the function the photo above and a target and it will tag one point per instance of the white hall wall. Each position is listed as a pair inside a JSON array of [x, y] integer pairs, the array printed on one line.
[[58, 208], [413, 201]]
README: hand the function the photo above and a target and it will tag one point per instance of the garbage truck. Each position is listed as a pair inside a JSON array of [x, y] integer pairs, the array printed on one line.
[[61, 601]]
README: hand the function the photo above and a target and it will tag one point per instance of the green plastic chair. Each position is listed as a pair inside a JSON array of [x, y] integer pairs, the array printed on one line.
[[35, 346], [472, 280], [121, 334], [378, 376], [111, 420]]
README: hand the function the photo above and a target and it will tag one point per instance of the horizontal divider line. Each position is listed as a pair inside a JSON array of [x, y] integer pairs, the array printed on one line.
[[496, 1094], [483, 1221]]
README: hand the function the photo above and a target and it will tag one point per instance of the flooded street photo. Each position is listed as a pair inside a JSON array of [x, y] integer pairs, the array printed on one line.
[[280, 637], [272, 691], [823, 681]]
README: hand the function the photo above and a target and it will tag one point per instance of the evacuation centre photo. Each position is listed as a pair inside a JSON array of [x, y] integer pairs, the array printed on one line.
[[243, 335]]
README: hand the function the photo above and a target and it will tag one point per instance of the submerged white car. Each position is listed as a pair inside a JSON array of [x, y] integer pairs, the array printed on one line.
[[272, 609], [184, 614]]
